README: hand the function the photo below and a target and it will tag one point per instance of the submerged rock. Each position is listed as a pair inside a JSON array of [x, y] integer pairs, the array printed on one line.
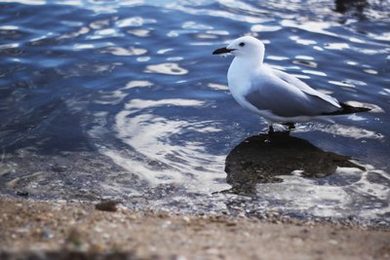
[[22, 193]]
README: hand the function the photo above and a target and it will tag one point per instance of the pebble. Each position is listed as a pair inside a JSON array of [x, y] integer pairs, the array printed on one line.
[[186, 219], [132, 217], [47, 233], [108, 205], [22, 193], [59, 168]]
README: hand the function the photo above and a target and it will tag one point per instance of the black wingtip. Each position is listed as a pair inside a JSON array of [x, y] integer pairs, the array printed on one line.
[[347, 109]]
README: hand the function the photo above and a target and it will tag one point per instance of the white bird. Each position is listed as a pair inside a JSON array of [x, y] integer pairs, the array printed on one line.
[[275, 95]]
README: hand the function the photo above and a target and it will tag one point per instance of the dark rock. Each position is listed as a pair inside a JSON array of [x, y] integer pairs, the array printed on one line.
[[22, 193], [107, 205]]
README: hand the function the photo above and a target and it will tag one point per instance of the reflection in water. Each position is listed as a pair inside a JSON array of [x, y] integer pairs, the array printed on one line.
[[260, 159], [162, 148], [343, 130], [138, 84], [119, 51], [136, 21], [166, 68]]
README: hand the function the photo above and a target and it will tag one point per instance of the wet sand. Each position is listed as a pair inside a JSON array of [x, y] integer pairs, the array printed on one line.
[[76, 230]]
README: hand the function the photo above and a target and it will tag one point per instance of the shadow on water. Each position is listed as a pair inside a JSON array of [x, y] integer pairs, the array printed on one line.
[[264, 158]]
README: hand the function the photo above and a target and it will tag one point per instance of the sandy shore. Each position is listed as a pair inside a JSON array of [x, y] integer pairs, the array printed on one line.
[[63, 230]]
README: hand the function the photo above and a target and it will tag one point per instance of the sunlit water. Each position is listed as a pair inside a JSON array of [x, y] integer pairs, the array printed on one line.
[[123, 99]]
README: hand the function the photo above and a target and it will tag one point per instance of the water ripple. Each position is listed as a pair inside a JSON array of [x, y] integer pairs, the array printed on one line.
[[166, 68], [131, 88]]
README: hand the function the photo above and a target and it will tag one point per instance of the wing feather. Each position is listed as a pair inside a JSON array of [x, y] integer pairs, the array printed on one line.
[[285, 99], [305, 88]]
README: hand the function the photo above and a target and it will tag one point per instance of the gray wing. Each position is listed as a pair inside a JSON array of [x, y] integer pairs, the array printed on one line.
[[304, 87], [285, 100]]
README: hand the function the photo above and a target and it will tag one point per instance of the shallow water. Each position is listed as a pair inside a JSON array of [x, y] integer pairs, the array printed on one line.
[[123, 99]]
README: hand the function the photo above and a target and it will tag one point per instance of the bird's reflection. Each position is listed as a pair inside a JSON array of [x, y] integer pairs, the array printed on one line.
[[262, 158]]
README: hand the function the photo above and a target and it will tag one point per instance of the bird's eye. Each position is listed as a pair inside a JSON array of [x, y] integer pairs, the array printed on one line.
[[241, 44]]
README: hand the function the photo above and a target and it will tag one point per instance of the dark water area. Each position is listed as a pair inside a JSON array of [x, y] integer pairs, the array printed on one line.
[[123, 99]]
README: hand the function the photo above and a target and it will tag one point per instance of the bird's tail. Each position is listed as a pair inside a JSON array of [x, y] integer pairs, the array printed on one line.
[[347, 109]]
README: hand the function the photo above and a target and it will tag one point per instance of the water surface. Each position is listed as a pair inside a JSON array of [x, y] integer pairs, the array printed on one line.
[[123, 99]]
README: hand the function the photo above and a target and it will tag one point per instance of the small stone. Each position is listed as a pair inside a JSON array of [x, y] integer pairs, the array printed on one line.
[[47, 233], [108, 205], [98, 229], [186, 219], [132, 217], [231, 224], [305, 231], [59, 168], [213, 251], [166, 224], [22, 193]]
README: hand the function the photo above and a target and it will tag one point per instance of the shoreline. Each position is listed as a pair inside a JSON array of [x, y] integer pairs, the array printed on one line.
[[78, 230]]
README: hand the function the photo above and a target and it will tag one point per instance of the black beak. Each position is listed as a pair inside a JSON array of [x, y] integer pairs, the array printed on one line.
[[222, 50]]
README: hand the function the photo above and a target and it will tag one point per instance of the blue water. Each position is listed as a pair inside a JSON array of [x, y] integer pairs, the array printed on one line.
[[123, 99]]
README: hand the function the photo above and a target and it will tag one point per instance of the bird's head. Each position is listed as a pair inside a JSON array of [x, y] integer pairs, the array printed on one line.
[[246, 46]]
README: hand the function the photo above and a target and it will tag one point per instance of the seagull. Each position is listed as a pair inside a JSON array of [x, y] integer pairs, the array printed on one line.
[[275, 95]]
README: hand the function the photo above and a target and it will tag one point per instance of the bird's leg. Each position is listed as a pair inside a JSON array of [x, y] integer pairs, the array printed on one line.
[[270, 129]]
